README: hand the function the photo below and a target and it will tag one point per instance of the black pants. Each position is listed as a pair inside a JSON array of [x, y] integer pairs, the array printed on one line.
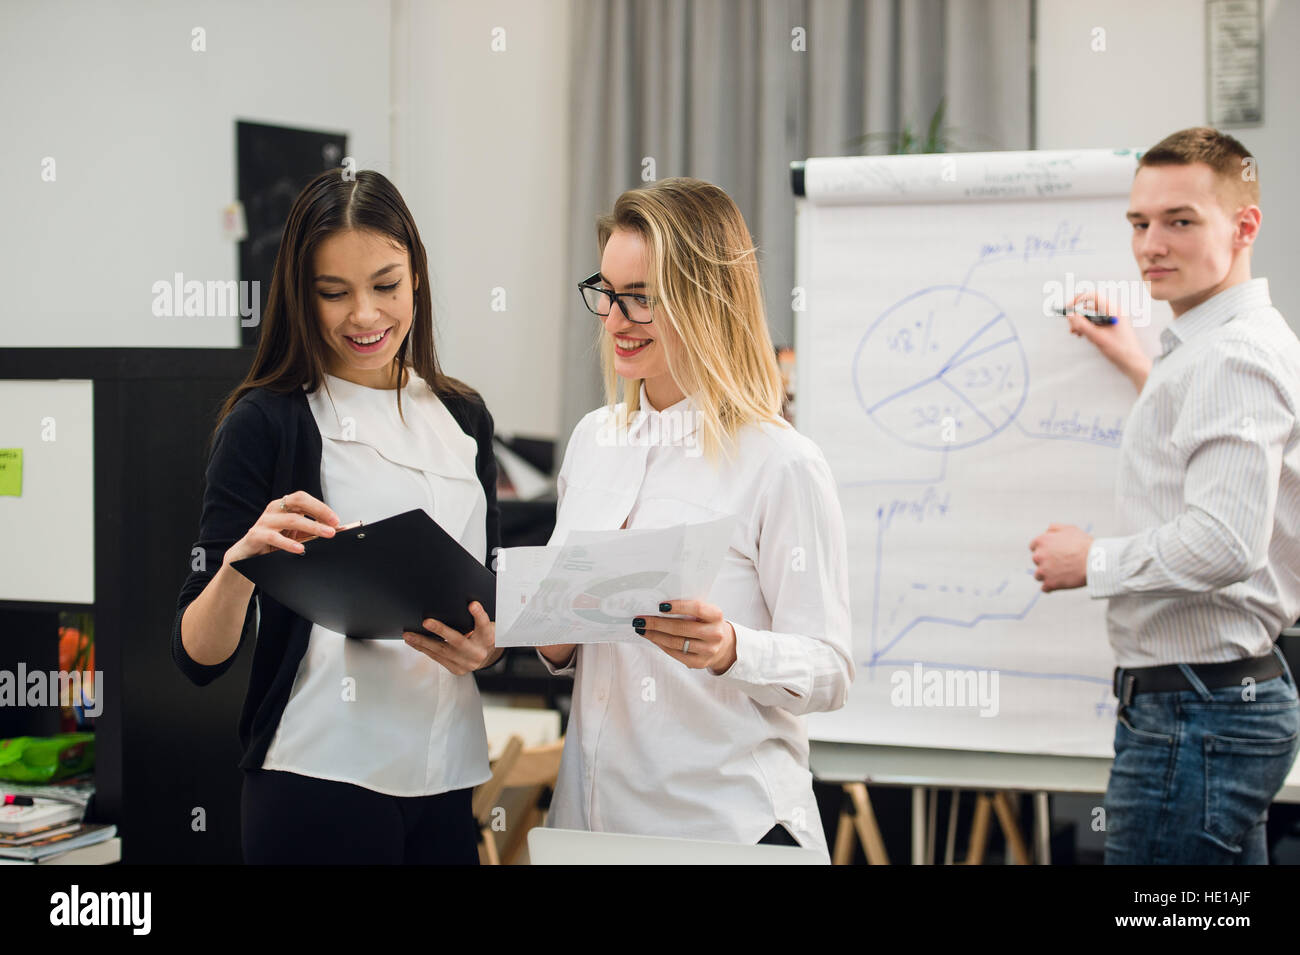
[[778, 835], [290, 819]]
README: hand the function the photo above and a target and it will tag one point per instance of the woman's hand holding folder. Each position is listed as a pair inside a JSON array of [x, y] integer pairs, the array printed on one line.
[[460, 653], [212, 623], [284, 525]]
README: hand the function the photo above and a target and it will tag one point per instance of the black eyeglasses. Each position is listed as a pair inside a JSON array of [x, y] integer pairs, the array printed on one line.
[[599, 300]]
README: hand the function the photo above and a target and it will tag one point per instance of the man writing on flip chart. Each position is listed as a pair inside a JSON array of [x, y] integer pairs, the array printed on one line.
[[1205, 569]]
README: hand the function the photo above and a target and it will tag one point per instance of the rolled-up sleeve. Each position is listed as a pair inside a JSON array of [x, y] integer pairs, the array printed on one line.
[[239, 478], [804, 662], [568, 668], [1232, 433]]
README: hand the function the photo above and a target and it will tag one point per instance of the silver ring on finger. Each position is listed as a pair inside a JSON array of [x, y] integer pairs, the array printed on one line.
[[686, 646], [283, 505]]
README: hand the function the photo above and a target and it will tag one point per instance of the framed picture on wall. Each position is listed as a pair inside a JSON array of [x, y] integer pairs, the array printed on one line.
[[1234, 36]]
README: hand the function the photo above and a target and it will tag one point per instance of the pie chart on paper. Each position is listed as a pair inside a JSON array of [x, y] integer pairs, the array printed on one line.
[[615, 600]]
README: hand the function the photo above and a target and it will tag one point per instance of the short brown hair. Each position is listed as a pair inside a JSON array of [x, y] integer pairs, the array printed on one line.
[[1233, 165]]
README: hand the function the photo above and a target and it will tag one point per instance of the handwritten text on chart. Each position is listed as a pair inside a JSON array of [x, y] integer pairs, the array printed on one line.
[[1074, 426], [1065, 240], [930, 503]]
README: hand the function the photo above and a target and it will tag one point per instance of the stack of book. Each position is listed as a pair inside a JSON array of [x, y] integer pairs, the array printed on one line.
[[38, 829], [75, 789]]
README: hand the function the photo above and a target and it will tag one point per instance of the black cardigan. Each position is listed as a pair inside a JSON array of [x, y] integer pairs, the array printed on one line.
[[268, 446]]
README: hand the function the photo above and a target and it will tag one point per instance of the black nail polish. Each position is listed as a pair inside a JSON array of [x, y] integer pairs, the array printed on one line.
[[639, 622], [665, 607], [640, 630]]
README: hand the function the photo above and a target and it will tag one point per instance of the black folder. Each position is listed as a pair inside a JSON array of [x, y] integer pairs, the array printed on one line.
[[378, 580]]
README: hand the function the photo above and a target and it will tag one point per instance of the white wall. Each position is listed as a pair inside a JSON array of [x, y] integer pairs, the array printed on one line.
[[481, 156], [1151, 81], [142, 130]]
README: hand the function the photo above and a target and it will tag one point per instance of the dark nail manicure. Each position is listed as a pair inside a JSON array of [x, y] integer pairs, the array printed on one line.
[[640, 630], [665, 607], [638, 622]]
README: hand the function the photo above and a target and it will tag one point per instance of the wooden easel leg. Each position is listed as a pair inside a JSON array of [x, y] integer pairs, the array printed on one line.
[[979, 830], [843, 854], [864, 819], [1007, 819]]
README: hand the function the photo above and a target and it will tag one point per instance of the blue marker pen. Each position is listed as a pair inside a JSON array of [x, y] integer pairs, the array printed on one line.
[[1090, 316]]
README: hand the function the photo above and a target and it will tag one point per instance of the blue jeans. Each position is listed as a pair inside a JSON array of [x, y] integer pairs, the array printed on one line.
[[1195, 772]]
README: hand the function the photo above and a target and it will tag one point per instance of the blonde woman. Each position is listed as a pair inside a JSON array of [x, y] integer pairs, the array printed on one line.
[[698, 731]]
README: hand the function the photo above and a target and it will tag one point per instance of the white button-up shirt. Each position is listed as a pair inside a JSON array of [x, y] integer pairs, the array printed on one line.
[[656, 748], [1208, 491], [377, 713]]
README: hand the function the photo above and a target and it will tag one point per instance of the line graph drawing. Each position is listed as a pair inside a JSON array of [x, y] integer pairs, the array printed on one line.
[[952, 622], [1008, 601], [887, 634]]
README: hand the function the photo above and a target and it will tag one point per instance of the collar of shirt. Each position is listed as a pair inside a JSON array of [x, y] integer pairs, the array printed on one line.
[[346, 411], [677, 421], [1215, 311]]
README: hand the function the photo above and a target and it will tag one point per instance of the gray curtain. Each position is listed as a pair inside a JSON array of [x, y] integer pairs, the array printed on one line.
[[716, 89]]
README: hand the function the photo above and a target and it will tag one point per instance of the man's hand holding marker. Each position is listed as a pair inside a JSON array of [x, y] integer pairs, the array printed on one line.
[[1093, 318]]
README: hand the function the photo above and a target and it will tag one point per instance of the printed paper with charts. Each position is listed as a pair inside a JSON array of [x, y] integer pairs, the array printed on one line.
[[588, 589]]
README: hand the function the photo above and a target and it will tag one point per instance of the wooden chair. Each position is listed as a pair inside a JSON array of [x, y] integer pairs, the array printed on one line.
[[534, 769]]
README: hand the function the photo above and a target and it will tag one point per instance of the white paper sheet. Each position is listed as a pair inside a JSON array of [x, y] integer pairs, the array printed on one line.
[[588, 589]]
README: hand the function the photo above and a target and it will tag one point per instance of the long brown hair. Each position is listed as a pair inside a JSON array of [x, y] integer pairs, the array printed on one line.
[[291, 351]]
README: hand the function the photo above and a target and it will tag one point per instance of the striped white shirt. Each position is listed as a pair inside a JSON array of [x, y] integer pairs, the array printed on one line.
[[1208, 491]]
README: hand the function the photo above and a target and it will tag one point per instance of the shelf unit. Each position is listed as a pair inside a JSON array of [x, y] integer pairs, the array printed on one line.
[[164, 747]]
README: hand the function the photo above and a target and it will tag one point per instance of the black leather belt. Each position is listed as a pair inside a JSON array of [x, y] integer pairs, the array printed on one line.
[[1128, 683]]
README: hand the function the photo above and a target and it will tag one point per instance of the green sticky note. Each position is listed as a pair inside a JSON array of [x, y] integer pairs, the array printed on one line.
[[11, 472]]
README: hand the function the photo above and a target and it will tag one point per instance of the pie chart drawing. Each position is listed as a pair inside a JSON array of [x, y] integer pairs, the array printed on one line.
[[615, 600], [942, 370]]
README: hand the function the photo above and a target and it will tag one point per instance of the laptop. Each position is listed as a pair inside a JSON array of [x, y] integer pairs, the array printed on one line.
[[574, 847]]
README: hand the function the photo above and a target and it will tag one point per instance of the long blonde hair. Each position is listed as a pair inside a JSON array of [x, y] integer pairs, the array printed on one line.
[[704, 283]]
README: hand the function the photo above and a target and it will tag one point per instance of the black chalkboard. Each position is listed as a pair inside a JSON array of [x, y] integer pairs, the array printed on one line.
[[274, 163]]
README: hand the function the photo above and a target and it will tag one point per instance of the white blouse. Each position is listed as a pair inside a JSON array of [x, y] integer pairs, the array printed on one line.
[[378, 713], [655, 748]]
